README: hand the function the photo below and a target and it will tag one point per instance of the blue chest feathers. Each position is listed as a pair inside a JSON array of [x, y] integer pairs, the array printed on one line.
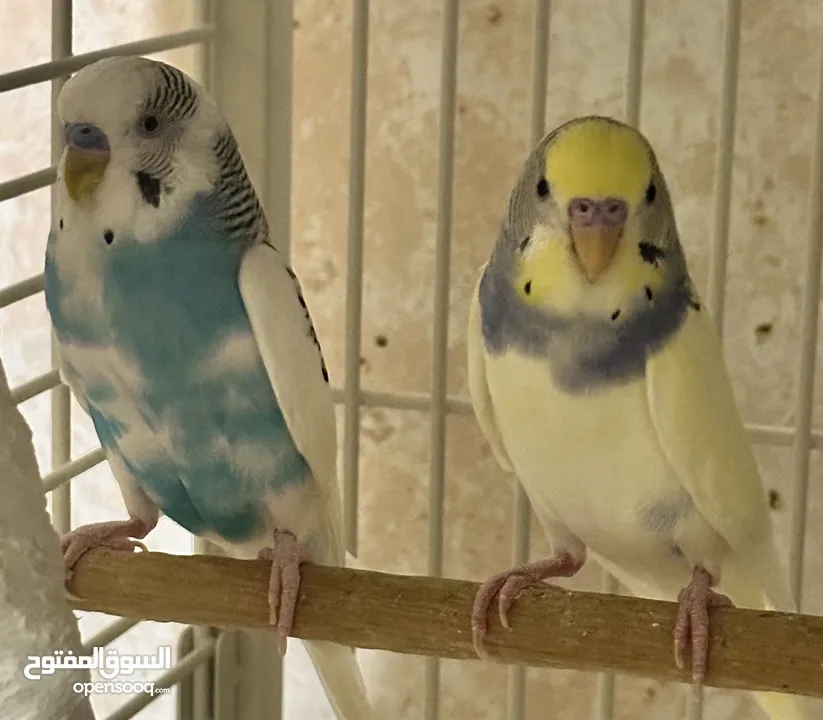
[[165, 360]]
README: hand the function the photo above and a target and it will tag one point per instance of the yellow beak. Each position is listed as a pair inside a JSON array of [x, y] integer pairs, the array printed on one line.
[[595, 247], [84, 170]]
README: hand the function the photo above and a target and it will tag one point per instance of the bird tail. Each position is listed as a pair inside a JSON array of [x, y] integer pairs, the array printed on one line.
[[740, 584], [781, 707], [337, 667]]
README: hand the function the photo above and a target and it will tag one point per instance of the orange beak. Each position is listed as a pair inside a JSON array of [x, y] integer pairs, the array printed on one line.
[[595, 247]]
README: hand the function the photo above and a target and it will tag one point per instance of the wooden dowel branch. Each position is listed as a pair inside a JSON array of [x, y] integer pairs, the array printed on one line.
[[430, 616]]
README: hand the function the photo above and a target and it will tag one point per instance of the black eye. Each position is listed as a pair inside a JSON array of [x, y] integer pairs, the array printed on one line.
[[150, 124], [651, 193], [542, 187]]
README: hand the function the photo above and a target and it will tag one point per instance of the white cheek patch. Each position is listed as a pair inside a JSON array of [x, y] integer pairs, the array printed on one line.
[[193, 174], [119, 206]]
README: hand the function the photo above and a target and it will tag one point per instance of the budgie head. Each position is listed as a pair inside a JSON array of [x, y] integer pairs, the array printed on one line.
[[142, 140], [590, 229]]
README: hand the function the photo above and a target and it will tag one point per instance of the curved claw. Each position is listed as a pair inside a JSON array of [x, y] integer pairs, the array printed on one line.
[[514, 585], [284, 583], [482, 602], [507, 585]]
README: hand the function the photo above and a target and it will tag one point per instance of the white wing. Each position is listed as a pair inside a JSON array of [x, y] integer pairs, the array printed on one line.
[[478, 387], [294, 363], [700, 430]]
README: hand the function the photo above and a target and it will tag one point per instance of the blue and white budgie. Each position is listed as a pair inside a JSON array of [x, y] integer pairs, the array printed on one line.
[[183, 333], [596, 375]]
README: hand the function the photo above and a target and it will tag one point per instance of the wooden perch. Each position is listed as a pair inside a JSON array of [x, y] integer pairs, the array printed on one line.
[[430, 616]]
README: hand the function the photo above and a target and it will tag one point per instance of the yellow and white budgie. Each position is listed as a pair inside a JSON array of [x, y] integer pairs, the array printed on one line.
[[598, 378]]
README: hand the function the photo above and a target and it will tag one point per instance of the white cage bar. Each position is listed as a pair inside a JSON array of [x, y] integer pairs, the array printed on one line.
[[803, 441], [522, 512], [226, 53], [354, 271]]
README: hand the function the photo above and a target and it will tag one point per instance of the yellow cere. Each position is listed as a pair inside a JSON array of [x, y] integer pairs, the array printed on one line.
[[598, 159]]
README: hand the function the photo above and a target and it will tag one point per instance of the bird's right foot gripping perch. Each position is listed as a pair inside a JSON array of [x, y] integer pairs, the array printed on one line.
[[507, 585], [116, 535], [286, 557], [692, 624]]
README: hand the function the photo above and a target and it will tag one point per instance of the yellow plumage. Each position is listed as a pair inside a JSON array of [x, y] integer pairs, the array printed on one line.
[[652, 470], [547, 275], [598, 160]]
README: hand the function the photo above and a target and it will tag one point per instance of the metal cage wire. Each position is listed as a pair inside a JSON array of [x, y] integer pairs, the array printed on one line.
[[802, 438]]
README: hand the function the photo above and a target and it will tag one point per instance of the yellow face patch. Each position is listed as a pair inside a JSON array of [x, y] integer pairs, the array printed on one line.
[[598, 159], [545, 274]]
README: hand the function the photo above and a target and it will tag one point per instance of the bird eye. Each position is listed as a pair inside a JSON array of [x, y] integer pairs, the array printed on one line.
[[150, 124], [651, 193], [543, 187]]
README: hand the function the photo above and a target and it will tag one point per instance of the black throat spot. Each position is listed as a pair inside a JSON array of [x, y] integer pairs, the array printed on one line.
[[651, 254], [149, 188]]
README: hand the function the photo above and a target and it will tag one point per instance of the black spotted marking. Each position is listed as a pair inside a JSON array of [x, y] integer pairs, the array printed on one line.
[[525, 243], [616, 314], [174, 97], [651, 193], [651, 254], [694, 304], [527, 288], [240, 210], [312, 332], [649, 295], [543, 188], [149, 188], [61, 223], [108, 236], [775, 501]]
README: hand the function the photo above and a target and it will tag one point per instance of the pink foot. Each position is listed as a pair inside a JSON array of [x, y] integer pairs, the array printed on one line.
[[284, 582], [507, 586], [692, 625], [115, 535]]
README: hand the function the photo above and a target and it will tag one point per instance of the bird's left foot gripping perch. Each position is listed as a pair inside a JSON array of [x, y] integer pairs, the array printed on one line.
[[284, 582], [692, 624], [115, 535]]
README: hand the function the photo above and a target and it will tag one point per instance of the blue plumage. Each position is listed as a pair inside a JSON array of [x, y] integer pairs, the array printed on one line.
[[183, 333], [205, 444]]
